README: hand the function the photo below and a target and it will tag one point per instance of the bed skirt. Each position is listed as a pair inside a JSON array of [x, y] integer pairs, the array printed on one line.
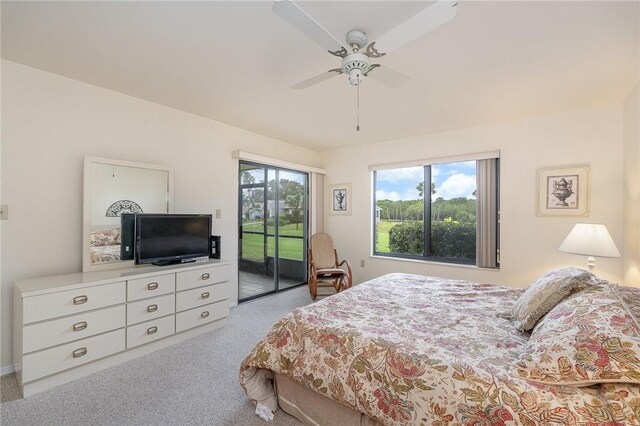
[[311, 408]]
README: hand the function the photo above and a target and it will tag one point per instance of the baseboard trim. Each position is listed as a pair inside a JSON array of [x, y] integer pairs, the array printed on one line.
[[7, 370]]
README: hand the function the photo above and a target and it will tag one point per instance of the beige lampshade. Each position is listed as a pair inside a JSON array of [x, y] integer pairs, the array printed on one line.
[[590, 239]]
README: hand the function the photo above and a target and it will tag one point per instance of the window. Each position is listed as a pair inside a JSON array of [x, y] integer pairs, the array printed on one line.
[[460, 204]]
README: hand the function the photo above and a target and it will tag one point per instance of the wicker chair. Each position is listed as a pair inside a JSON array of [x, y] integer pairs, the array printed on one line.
[[324, 268]]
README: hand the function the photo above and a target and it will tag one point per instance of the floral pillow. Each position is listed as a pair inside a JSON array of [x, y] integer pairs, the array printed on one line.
[[105, 237], [545, 293], [588, 338]]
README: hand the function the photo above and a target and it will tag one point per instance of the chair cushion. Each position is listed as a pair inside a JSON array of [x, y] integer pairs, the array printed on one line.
[[330, 271]]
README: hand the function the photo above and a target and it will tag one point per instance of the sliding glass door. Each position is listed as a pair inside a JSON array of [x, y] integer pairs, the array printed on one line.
[[273, 226]]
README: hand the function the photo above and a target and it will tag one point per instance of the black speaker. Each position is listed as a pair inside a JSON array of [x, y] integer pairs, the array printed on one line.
[[215, 247], [127, 235]]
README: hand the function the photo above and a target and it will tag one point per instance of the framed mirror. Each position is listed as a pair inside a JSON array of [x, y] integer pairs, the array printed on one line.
[[114, 191]]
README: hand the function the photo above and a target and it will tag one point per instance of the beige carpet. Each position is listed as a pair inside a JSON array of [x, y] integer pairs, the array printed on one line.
[[191, 383]]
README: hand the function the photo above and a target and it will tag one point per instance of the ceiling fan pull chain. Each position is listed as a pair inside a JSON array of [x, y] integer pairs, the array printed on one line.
[[358, 108]]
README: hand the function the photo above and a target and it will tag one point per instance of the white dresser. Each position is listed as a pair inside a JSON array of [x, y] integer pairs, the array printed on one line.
[[68, 326]]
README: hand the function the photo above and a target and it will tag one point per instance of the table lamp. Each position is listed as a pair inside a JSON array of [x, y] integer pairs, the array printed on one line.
[[590, 239]]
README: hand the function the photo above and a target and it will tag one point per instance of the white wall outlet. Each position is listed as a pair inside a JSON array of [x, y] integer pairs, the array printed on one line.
[[362, 263], [4, 212], [218, 213]]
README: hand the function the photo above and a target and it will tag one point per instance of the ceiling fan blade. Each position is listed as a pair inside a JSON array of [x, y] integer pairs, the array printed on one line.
[[427, 20], [387, 76], [317, 79], [298, 18]]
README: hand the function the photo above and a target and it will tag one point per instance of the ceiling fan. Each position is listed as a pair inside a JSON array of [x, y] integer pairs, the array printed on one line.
[[356, 64]]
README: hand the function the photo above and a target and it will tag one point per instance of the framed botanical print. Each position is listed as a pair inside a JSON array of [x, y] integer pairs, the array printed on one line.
[[340, 199], [563, 191]]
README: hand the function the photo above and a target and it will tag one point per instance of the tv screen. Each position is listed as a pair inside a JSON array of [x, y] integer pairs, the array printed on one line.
[[170, 238]]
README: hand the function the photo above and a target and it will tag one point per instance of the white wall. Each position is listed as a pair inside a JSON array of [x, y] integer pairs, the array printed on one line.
[[631, 149], [50, 122], [529, 244]]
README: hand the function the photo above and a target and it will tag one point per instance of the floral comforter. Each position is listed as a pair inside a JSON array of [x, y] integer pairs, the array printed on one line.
[[105, 254], [409, 349]]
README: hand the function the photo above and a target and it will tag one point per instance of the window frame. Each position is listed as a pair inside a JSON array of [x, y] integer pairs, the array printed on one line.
[[427, 179]]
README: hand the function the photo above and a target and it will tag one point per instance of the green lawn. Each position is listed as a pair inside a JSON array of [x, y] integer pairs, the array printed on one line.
[[382, 241], [288, 229], [290, 248]]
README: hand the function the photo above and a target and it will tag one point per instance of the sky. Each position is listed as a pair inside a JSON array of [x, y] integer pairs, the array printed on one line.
[[451, 179]]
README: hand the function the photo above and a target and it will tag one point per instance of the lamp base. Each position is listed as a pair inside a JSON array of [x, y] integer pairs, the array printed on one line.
[[591, 263]]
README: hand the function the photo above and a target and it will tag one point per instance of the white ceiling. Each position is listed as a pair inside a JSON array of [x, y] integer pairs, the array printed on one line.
[[235, 61]]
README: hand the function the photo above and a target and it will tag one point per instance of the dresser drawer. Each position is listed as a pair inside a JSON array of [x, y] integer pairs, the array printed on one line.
[[151, 330], [202, 296], [67, 329], [201, 277], [151, 286], [44, 363], [202, 315], [145, 310], [46, 306]]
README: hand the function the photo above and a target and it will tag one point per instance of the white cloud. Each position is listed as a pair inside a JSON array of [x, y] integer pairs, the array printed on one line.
[[384, 195], [413, 174], [411, 194], [458, 185]]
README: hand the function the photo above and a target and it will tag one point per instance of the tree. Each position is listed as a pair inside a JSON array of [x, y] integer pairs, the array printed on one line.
[[420, 189], [247, 178], [252, 203], [292, 193]]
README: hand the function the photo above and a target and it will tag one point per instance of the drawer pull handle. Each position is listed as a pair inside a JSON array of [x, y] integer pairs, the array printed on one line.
[[79, 326], [205, 295], [79, 352], [79, 300], [206, 276], [152, 308], [204, 314], [152, 330], [152, 286]]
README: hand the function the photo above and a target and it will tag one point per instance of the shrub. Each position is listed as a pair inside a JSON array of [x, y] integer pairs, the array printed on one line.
[[453, 239], [448, 239], [282, 221], [406, 238]]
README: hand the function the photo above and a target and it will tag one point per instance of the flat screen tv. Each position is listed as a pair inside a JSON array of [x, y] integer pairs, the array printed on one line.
[[164, 239]]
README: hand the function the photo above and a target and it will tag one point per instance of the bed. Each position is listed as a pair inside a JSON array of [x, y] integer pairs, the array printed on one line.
[[105, 245], [409, 349]]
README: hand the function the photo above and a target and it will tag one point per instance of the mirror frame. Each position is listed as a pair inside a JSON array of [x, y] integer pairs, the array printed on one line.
[[86, 215]]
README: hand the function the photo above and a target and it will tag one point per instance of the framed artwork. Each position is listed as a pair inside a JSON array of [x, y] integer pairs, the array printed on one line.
[[563, 191], [340, 199]]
